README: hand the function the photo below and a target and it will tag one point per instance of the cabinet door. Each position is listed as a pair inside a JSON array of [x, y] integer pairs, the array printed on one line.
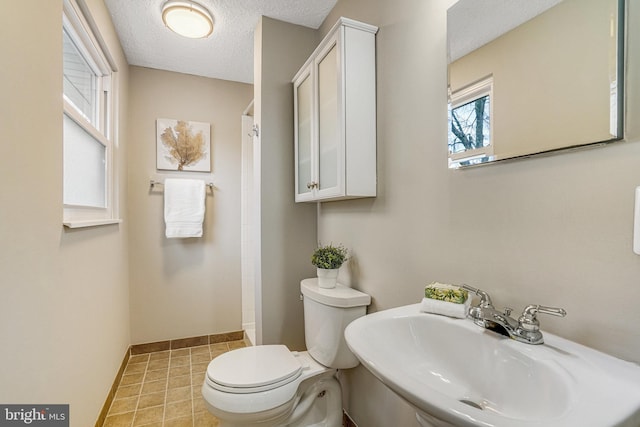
[[305, 169], [330, 142]]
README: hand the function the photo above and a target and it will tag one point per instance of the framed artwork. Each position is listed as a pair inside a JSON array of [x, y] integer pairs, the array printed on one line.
[[183, 145]]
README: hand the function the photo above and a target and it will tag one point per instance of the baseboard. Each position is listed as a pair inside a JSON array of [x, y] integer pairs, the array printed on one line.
[[347, 421], [112, 391], [186, 342]]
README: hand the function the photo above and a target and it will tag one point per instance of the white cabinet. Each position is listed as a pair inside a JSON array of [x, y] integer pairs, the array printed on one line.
[[335, 116]]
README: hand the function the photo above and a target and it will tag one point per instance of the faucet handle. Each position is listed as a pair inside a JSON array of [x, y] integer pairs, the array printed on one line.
[[529, 321], [485, 299], [532, 310]]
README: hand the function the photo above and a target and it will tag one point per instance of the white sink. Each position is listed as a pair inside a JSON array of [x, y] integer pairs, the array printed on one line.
[[456, 373]]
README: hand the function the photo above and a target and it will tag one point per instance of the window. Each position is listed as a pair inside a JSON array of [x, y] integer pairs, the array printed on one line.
[[88, 77], [470, 115]]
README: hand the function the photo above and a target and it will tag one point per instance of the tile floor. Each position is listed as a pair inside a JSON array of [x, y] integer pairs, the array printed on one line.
[[162, 389]]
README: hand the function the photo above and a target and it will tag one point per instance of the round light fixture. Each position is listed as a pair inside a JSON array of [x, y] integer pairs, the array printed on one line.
[[187, 18]]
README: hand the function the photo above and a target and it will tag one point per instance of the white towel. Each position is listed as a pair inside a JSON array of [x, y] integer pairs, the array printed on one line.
[[184, 207], [445, 308]]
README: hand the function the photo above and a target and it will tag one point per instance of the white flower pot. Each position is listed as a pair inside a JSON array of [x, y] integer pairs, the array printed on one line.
[[327, 278]]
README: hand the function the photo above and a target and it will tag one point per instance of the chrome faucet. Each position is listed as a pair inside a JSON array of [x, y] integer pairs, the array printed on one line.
[[526, 329]]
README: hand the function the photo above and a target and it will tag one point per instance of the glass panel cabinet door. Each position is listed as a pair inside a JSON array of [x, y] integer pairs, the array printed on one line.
[[304, 136], [328, 132]]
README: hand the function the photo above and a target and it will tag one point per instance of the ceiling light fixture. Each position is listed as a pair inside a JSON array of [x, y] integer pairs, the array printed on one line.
[[187, 18]]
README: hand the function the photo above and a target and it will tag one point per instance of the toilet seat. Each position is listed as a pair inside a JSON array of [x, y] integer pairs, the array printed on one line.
[[254, 369], [253, 403]]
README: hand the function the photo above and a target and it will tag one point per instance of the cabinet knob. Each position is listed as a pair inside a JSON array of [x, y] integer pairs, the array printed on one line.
[[311, 185]]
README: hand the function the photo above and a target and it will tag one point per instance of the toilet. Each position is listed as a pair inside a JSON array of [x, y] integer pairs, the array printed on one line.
[[269, 385]]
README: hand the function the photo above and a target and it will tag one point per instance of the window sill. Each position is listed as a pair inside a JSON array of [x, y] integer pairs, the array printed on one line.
[[92, 223]]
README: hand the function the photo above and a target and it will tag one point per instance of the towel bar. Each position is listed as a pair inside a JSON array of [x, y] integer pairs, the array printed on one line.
[[153, 183]]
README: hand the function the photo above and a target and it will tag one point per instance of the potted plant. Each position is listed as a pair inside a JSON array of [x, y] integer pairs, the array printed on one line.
[[328, 260]]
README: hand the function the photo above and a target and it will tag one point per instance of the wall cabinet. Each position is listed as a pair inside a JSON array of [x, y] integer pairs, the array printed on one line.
[[335, 116]]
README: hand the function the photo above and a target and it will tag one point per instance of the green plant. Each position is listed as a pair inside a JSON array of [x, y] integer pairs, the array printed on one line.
[[329, 256]]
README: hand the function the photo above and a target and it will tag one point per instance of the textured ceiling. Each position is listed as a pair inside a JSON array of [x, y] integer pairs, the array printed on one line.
[[227, 54], [474, 23]]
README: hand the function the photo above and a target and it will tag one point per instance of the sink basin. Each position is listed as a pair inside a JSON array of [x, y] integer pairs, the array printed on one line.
[[456, 373]]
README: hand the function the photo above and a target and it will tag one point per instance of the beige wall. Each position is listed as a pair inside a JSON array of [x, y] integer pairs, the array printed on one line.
[[554, 230], [184, 287], [286, 230], [550, 88], [64, 305]]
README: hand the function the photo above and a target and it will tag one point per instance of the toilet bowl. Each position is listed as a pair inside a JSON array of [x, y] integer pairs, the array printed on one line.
[[269, 385]]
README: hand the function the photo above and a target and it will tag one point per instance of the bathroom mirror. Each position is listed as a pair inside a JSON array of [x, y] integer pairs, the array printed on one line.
[[529, 77]]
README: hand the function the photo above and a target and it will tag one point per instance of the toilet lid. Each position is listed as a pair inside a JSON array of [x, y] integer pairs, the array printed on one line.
[[253, 369]]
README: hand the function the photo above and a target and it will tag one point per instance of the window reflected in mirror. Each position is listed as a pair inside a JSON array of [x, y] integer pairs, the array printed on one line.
[[470, 124]]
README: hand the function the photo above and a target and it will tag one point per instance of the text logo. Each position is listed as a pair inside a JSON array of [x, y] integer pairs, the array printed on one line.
[[34, 415]]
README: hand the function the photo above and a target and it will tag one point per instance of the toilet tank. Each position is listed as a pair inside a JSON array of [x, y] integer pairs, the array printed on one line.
[[327, 312]]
